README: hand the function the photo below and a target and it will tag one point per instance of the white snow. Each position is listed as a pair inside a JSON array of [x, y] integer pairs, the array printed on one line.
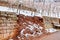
[[27, 35], [10, 39], [22, 32], [51, 30], [29, 13], [18, 37], [24, 23], [32, 28]]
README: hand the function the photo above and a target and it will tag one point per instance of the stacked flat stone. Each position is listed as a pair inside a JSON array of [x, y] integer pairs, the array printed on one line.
[[8, 20]]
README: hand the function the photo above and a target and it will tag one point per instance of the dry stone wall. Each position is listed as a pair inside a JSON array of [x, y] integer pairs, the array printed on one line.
[[7, 23]]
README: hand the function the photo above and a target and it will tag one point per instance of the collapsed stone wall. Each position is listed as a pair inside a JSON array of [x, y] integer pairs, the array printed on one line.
[[28, 20], [13, 28], [30, 26]]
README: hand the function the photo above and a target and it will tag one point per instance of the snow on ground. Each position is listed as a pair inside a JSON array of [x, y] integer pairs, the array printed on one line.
[[29, 13], [33, 28], [51, 30]]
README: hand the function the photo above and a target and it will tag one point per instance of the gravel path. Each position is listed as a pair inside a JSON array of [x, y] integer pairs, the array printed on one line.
[[55, 36]]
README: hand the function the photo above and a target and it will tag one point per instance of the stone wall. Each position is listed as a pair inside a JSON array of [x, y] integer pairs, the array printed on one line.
[[7, 23]]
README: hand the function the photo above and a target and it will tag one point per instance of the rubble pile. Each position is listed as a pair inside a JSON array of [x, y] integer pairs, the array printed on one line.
[[30, 27], [25, 28], [27, 20]]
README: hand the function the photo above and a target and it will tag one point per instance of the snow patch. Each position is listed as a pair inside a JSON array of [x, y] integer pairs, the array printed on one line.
[[51, 30], [34, 28], [10, 39]]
